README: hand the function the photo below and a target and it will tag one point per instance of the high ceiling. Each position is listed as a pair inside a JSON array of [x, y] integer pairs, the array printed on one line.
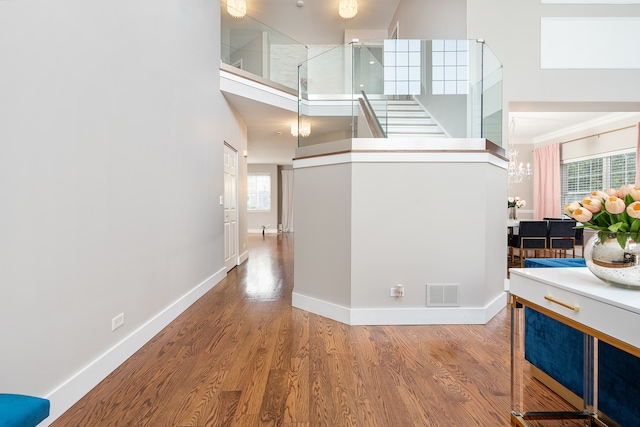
[[316, 22]]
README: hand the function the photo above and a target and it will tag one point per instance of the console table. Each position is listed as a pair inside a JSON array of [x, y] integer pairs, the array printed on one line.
[[607, 317]]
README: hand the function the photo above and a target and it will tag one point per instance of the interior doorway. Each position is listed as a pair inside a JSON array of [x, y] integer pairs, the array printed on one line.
[[230, 200]]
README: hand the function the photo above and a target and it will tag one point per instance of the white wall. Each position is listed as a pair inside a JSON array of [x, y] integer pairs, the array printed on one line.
[[111, 138], [368, 220], [256, 220], [322, 247], [514, 36], [431, 19]]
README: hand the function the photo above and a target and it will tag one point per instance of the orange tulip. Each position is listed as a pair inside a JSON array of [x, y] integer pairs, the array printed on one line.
[[571, 207], [592, 205], [582, 215], [635, 193], [633, 210], [614, 205], [599, 195], [624, 190]]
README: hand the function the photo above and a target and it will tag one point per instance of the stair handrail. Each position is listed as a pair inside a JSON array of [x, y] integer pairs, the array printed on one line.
[[372, 120]]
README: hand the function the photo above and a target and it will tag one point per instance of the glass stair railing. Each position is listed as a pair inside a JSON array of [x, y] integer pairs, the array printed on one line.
[[414, 88]]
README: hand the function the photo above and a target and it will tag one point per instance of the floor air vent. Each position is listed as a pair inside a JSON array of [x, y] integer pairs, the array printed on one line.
[[442, 295]]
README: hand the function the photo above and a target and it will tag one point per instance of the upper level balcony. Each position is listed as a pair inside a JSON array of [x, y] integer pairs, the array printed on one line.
[[373, 88]]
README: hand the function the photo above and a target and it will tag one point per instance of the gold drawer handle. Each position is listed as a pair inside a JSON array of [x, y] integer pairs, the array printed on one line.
[[570, 307]]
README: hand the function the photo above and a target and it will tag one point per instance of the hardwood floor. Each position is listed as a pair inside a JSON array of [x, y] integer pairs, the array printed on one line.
[[242, 356]]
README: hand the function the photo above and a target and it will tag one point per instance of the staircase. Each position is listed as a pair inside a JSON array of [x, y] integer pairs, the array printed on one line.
[[407, 118]]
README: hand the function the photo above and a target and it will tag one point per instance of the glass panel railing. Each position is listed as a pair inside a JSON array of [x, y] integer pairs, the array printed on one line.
[[325, 100], [368, 81], [492, 97], [255, 48], [424, 88]]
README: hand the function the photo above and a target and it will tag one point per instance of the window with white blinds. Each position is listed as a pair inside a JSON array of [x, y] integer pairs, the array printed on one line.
[[579, 178], [258, 192]]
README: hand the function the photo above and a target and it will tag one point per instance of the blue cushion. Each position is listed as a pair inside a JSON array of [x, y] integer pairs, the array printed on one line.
[[22, 411], [554, 262], [556, 349]]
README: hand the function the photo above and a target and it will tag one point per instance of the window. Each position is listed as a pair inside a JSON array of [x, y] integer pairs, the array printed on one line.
[[450, 66], [581, 177], [259, 192], [402, 69]]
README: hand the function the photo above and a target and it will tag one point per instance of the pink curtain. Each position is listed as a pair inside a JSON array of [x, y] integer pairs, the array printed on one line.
[[547, 189], [638, 158]]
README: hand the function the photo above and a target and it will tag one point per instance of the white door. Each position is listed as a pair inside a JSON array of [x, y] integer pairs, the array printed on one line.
[[230, 208]]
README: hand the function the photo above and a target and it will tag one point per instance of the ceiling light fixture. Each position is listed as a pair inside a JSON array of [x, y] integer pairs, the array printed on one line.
[[348, 8], [237, 8], [305, 128]]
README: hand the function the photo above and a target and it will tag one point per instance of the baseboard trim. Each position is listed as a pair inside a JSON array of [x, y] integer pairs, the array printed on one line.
[[259, 230], [67, 394], [402, 316], [243, 257], [320, 307]]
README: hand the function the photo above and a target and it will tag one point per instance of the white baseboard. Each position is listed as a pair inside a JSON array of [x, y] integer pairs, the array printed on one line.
[[402, 316], [320, 307], [67, 394], [243, 257], [259, 231]]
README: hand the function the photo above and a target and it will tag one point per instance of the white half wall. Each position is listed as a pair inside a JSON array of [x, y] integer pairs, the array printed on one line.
[[372, 218]]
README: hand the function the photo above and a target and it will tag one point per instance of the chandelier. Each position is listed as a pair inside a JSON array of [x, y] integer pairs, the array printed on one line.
[[305, 128], [237, 8], [348, 8], [517, 171]]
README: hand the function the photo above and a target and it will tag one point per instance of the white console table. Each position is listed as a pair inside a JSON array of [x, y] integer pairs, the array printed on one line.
[[574, 297]]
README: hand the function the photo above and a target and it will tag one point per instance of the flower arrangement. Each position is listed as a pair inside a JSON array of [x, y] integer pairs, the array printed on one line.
[[609, 211], [516, 202]]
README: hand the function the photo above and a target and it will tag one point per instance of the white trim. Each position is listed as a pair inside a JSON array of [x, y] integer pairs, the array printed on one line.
[[552, 137], [243, 257], [597, 156], [320, 307], [386, 157], [72, 390], [402, 316]]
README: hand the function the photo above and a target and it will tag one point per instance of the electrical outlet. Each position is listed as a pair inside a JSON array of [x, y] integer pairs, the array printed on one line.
[[397, 291], [117, 321]]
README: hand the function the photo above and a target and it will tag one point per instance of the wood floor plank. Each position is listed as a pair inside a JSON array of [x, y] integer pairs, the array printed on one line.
[[241, 356]]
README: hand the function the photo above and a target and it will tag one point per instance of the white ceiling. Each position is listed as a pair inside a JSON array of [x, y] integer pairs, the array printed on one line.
[[317, 22]]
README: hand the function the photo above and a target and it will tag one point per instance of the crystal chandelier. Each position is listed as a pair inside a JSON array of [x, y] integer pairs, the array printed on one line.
[[237, 8], [305, 128], [517, 171], [348, 8]]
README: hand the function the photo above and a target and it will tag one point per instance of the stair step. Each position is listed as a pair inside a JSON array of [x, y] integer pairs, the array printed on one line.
[[409, 121], [402, 114], [404, 108], [416, 135]]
